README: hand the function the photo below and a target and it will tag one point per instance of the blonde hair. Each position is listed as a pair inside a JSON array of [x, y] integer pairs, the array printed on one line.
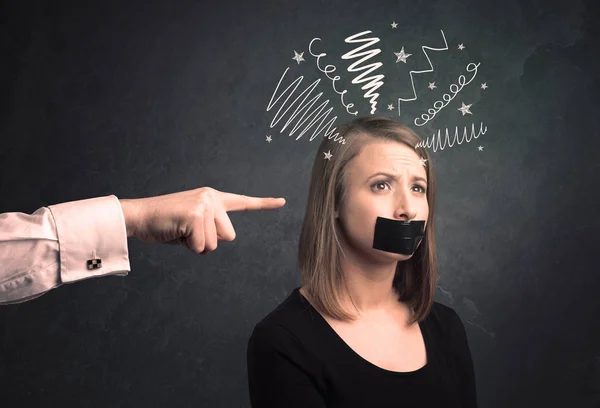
[[319, 246]]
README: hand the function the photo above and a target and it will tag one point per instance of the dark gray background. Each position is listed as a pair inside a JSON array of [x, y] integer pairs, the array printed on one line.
[[140, 98]]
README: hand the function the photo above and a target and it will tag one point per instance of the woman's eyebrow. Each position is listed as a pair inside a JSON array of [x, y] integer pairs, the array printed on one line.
[[382, 173]]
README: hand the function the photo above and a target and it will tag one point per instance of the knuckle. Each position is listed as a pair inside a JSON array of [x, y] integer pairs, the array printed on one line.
[[198, 214], [205, 199], [207, 192]]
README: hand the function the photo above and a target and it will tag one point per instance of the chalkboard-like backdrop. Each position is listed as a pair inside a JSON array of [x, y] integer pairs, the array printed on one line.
[[140, 98]]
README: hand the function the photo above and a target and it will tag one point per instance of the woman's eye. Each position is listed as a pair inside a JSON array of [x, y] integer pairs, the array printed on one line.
[[379, 183], [385, 183]]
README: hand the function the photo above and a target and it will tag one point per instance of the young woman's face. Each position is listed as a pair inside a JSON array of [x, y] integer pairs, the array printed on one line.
[[401, 195]]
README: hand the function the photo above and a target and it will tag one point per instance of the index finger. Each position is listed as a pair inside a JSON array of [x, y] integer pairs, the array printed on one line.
[[238, 202]]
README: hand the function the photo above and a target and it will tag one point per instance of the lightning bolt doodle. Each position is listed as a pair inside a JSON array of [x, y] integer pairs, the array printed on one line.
[[424, 47]]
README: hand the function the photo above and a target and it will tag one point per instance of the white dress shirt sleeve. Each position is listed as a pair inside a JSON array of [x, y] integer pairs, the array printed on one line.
[[50, 247]]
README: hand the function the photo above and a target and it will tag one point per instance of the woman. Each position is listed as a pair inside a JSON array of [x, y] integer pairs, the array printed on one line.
[[363, 330]]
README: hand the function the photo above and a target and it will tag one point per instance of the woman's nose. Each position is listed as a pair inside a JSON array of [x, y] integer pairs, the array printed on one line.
[[405, 208]]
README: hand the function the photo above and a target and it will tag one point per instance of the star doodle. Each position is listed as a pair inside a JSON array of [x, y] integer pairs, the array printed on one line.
[[484, 85], [480, 148], [402, 56], [327, 154], [298, 57], [394, 24], [465, 109], [461, 47], [432, 85], [269, 139], [422, 160], [390, 107]]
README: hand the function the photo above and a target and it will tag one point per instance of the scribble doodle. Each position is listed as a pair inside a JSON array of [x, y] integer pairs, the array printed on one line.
[[412, 81], [373, 82], [304, 107]]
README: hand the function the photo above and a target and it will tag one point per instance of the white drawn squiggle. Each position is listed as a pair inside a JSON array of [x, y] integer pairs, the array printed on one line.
[[436, 139], [439, 105], [329, 69], [423, 48], [376, 80], [304, 106]]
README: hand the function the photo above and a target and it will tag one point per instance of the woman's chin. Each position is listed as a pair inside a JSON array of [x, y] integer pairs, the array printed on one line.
[[393, 255]]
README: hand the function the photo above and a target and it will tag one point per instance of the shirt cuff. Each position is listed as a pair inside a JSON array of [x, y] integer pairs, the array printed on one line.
[[85, 226]]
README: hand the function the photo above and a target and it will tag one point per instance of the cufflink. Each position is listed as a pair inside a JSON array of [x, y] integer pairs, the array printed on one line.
[[94, 263]]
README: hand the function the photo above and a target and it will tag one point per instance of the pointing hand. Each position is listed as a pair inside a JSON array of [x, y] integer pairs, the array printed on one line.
[[194, 218]]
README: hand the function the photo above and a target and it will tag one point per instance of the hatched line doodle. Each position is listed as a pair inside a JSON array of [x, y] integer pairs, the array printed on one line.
[[304, 108]]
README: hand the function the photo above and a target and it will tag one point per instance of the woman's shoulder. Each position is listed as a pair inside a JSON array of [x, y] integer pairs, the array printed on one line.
[[441, 310], [288, 318], [443, 318]]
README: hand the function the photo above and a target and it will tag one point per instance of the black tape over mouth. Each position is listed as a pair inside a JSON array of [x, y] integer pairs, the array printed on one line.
[[400, 237]]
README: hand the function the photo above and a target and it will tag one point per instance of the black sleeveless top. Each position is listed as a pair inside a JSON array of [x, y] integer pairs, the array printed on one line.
[[296, 359]]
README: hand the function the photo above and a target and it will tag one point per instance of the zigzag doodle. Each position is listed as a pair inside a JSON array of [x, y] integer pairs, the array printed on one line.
[[422, 72]]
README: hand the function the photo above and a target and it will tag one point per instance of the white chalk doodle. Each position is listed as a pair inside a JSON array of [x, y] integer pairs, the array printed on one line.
[[484, 85], [432, 86], [465, 109], [401, 56], [298, 57], [269, 138], [454, 89], [328, 155], [412, 81], [437, 141], [374, 82], [328, 70], [304, 108], [461, 47], [394, 24], [480, 148], [390, 107]]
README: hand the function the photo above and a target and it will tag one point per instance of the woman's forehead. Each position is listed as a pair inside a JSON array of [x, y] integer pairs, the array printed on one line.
[[391, 156]]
